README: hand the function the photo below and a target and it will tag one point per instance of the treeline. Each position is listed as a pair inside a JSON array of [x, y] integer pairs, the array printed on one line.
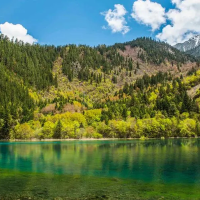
[[89, 125], [33, 63]]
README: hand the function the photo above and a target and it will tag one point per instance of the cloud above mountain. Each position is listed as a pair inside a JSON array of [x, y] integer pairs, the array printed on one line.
[[16, 31], [149, 13], [116, 19], [173, 26], [184, 22]]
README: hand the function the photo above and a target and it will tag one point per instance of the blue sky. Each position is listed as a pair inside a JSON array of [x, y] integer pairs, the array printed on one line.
[[74, 21]]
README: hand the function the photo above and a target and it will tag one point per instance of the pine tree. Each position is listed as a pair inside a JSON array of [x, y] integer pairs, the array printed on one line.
[[58, 130], [124, 113], [6, 125]]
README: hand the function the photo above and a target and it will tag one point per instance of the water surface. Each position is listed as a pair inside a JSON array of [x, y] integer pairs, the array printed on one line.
[[114, 169]]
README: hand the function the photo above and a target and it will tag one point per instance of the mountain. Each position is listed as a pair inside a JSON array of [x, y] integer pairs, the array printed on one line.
[[191, 47], [188, 45], [194, 52], [156, 52], [80, 91]]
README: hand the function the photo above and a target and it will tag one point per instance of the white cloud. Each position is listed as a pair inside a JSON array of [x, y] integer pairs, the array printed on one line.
[[17, 32], [149, 13], [176, 1], [116, 20], [185, 22]]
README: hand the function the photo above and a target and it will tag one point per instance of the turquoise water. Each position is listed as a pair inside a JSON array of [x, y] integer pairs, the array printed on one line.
[[150, 163]]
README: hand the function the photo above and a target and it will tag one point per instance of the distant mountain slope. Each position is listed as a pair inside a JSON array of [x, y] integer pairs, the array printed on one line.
[[191, 47], [194, 52], [188, 45], [156, 52]]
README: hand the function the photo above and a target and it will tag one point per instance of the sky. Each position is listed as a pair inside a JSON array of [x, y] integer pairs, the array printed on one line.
[[94, 22]]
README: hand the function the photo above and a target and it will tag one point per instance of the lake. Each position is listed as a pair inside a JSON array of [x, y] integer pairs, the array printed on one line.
[[113, 169]]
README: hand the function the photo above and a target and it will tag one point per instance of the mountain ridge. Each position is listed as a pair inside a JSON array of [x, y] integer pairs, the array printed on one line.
[[191, 46]]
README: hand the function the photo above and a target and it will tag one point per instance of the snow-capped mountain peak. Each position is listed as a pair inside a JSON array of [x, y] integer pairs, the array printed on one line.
[[190, 44], [197, 40]]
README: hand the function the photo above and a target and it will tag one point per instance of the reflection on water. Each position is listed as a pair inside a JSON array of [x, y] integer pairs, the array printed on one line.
[[160, 161]]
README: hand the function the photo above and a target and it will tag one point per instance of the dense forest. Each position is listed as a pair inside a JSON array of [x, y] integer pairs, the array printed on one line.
[[72, 91]]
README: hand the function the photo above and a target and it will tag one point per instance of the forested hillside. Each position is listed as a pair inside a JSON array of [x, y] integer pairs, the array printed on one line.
[[141, 88], [157, 52]]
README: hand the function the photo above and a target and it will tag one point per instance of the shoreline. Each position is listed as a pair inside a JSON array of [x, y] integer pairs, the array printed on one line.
[[92, 139]]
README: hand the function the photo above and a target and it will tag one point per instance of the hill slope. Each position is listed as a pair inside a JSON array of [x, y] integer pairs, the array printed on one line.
[[74, 91], [156, 52]]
